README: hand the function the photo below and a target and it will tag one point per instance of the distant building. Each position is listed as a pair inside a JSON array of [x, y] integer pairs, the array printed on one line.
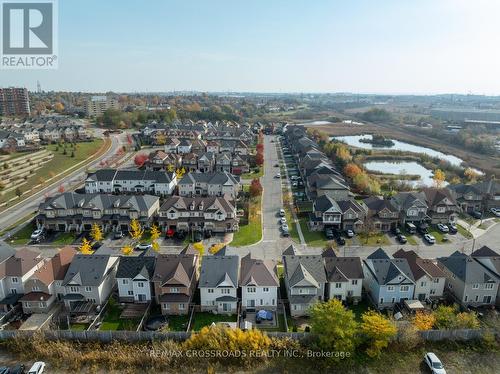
[[14, 102], [97, 105]]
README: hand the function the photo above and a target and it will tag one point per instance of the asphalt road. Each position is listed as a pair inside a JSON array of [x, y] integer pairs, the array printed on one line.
[[28, 206]]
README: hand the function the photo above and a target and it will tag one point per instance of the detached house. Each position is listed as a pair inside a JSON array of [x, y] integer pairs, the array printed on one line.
[[383, 215], [171, 145], [219, 283], [412, 207], [491, 261], [388, 281], [344, 277], [133, 276], [442, 206], [478, 196], [259, 284], [326, 214], [174, 282], [89, 280], [305, 280], [429, 278], [42, 289], [470, 282]]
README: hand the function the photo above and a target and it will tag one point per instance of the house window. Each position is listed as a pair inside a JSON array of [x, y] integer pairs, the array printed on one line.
[[390, 288], [174, 290], [131, 293], [354, 282], [381, 300], [423, 284], [182, 306], [35, 289], [265, 289], [251, 289], [477, 298], [404, 288], [140, 284], [393, 300], [124, 281], [210, 290], [225, 291], [88, 289], [166, 306], [488, 286], [338, 285], [466, 298], [436, 280], [15, 280], [475, 286], [433, 291], [74, 289]]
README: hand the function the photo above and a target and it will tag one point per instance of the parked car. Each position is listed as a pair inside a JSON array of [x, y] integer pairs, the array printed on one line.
[[434, 363], [37, 368], [294, 184], [118, 235], [38, 234], [429, 238], [294, 177], [276, 165], [282, 212], [198, 236], [349, 233], [476, 214], [282, 220], [277, 176], [143, 246], [286, 233], [495, 211], [402, 239], [453, 228], [329, 234], [284, 227], [410, 227], [442, 227], [264, 315], [340, 240]]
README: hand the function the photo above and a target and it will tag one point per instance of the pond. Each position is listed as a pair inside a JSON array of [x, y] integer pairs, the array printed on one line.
[[403, 167], [354, 141]]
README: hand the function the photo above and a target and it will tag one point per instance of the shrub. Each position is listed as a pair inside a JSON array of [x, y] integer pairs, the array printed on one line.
[[378, 331], [445, 317], [424, 321]]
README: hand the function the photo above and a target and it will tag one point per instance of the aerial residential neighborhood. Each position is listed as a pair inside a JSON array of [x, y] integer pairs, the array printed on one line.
[[214, 187]]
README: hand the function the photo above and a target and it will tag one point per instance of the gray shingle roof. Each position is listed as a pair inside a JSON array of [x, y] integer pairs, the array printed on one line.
[[222, 178], [88, 270], [219, 270], [258, 272], [343, 267], [130, 267], [304, 269], [465, 268], [386, 271]]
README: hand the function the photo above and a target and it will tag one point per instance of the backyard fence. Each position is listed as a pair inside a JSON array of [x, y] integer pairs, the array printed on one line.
[[138, 336]]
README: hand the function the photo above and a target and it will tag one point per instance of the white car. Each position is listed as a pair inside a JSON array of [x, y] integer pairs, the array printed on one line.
[[282, 212], [37, 234], [434, 363], [278, 176], [144, 246], [495, 211], [284, 227], [349, 233], [442, 227], [283, 220], [37, 368], [430, 239]]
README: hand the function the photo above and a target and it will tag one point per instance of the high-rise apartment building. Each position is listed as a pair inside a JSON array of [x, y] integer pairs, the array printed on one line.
[[97, 105], [14, 102]]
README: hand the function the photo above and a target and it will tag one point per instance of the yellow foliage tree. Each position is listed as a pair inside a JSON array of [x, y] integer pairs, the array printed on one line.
[[160, 139], [96, 233], [170, 168], [199, 247], [424, 321], [85, 248], [471, 174], [127, 250], [439, 177], [378, 332], [216, 248], [466, 320], [136, 231]]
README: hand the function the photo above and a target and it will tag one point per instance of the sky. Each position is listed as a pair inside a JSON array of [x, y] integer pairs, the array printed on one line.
[[363, 46]]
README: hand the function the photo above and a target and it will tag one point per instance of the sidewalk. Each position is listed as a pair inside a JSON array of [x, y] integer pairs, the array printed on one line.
[[474, 229]]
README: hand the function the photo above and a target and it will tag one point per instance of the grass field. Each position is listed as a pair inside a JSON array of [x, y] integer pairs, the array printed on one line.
[[178, 323], [79, 326], [252, 232], [464, 232], [379, 238], [252, 175], [112, 320], [312, 238], [438, 235], [22, 237], [203, 319], [59, 163]]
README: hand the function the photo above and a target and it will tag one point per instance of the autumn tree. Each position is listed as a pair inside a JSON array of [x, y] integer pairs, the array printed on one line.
[[155, 235], [445, 316], [160, 138], [200, 248], [216, 248], [127, 250], [351, 170], [60, 189], [377, 331], [136, 231], [259, 158], [424, 320], [255, 188], [471, 174], [334, 325], [59, 107], [439, 178], [96, 233], [466, 320], [140, 159], [85, 247]]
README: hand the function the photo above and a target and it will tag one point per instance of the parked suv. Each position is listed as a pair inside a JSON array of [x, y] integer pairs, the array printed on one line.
[[38, 234]]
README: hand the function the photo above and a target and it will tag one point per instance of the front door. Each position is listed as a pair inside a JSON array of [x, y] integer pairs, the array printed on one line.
[[141, 297], [226, 307], [421, 296]]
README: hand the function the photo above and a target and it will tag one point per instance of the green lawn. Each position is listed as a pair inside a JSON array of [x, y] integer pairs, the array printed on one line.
[[379, 238], [252, 232], [22, 236], [178, 323], [203, 319], [464, 232], [410, 237], [312, 238], [79, 326], [252, 174], [64, 238], [112, 320], [59, 163], [437, 234]]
